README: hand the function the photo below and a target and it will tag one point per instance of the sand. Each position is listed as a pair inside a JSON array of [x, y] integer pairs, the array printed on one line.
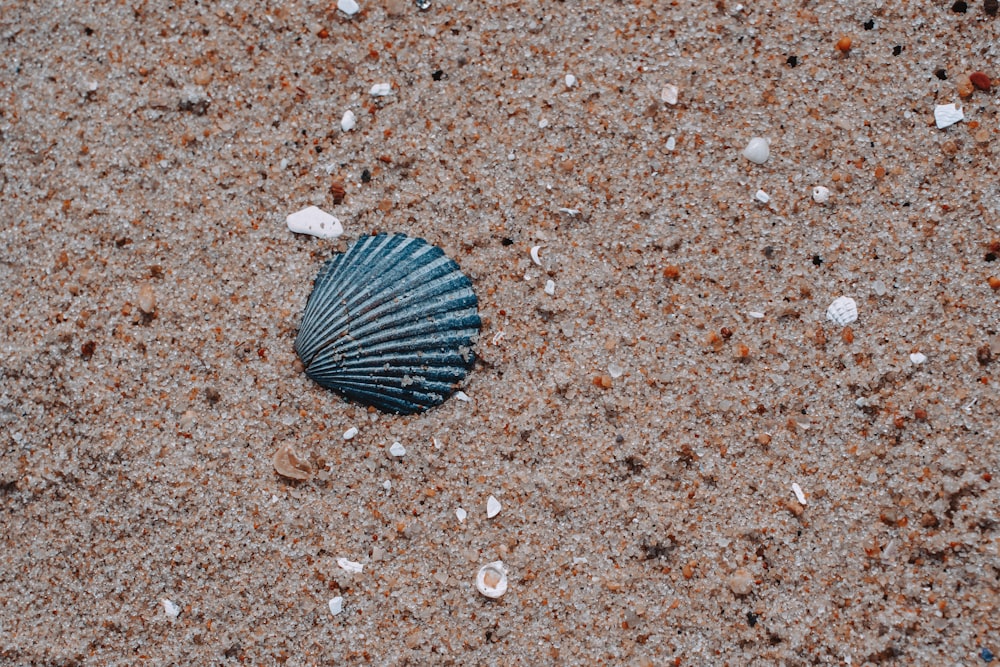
[[641, 426]]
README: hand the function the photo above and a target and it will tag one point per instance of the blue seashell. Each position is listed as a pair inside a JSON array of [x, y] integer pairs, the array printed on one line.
[[391, 322]]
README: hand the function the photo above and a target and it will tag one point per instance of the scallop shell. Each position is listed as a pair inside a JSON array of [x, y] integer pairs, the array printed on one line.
[[391, 323], [842, 311]]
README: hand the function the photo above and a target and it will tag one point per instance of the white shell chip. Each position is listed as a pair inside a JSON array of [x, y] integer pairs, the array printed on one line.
[[381, 89], [842, 311], [762, 197], [397, 449], [492, 507], [336, 605], [461, 514], [350, 433], [170, 609], [570, 80], [348, 121], [669, 94], [821, 194], [491, 580], [918, 358], [946, 115], [757, 151], [316, 222], [349, 7], [349, 565], [550, 287]]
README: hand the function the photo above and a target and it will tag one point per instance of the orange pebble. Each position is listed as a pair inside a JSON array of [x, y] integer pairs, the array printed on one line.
[[994, 282], [980, 81], [844, 44]]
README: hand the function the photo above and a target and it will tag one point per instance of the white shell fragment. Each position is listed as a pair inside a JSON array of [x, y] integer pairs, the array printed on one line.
[[534, 255], [348, 121], [842, 311], [288, 463], [821, 195], [462, 396], [946, 115], [757, 151], [669, 94], [570, 80], [918, 358], [491, 580], [314, 221], [671, 144], [461, 514], [550, 287], [381, 90], [492, 507], [397, 449], [349, 565], [170, 609], [336, 605], [350, 433], [756, 314], [349, 7], [799, 495], [762, 197]]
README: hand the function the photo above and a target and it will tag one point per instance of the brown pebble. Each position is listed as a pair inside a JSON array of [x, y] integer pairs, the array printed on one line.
[[949, 148], [603, 381], [964, 85], [288, 464], [991, 7], [994, 282], [203, 77], [87, 349], [847, 335], [980, 81], [337, 191], [671, 272], [795, 507], [147, 299], [764, 439], [928, 520], [984, 355], [740, 582], [212, 395], [844, 44]]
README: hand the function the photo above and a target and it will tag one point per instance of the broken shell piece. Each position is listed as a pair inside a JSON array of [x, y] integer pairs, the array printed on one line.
[[550, 287], [381, 90], [842, 311], [288, 464], [821, 195], [570, 80], [350, 433], [173, 611], [349, 565], [492, 579], [492, 507], [918, 358], [669, 94], [397, 449], [147, 299], [946, 115], [534, 255], [757, 151], [461, 515], [348, 121], [349, 7], [336, 605], [799, 495], [762, 197], [314, 221]]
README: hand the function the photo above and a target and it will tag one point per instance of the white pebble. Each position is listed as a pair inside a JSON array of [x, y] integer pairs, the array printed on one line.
[[799, 495], [461, 514], [757, 151], [381, 90], [762, 197], [570, 80], [918, 358], [543, 123], [946, 115], [669, 94], [534, 255], [571, 212], [879, 288], [842, 311], [491, 580], [615, 371], [170, 609], [397, 449], [350, 433], [348, 121], [492, 507], [336, 605], [550, 287], [741, 583], [671, 144], [349, 565], [821, 195], [462, 396], [316, 222], [349, 7], [756, 314]]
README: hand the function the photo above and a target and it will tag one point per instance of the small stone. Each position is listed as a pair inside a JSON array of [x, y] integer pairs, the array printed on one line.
[[461, 514], [844, 44], [336, 605], [669, 94], [349, 565], [799, 495], [671, 144], [917, 358], [842, 311], [147, 299], [348, 121], [491, 580], [462, 396], [615, 371], [349, 7], [170, 609], [570, 81], [994, 283], [423, 5], [980, 81], [492, 507], [762, 197], [821, 194], [550, 287], [757, 151], [316, 222], [879, 287], [946, 115], [964, 87], [534, 255], [287, 463], [350, 433], [740, 582], [991, 7], [381, 90], [397, 449]]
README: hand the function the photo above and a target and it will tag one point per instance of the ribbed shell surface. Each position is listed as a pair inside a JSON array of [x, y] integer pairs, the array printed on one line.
[[391, 322]]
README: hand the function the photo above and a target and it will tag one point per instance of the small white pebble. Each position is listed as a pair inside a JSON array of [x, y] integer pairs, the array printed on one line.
[[669, 94], [571, 212], [350, 433], [550, 287], [842, 311], [170, 609], [348, 121], [491, 580], [349, 7], [946, 115], [879, 287], [534, 255], [671, 144], [762, 197], [397, 449], [799, 495], [349, 565], [615, 371], [757, 151], [316, 222], [756, 314], [821, 195], [381, 90], [461, 514], [543, 123], [741, 583], [387, 485], [462, 396], [336, 605], [570, 80], [918, 358], [492, 507]]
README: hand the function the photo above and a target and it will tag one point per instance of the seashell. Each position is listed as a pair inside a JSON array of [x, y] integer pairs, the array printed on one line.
[[390, 323], [842, 311], [491, 580]]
